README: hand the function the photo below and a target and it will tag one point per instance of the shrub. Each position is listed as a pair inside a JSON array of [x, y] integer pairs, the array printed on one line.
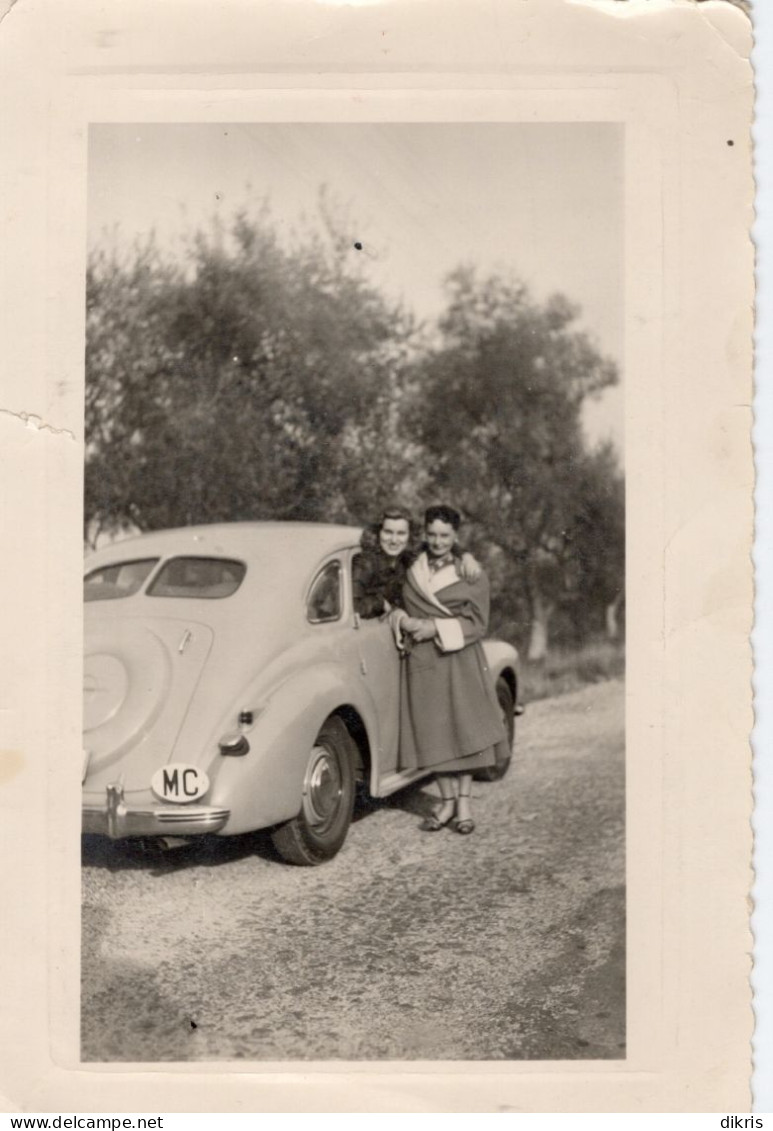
[[567, 669]]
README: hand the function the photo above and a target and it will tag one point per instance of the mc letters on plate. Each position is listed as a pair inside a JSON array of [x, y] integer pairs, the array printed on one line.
[[179, 783]]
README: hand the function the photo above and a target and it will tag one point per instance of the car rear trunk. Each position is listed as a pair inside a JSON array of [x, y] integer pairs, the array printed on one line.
[[140, 675]]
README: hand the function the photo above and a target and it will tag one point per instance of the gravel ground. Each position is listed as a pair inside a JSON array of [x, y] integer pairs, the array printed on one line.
[[508, 944]]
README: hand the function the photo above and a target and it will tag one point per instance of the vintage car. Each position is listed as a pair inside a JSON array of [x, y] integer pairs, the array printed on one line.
[[229, 685]]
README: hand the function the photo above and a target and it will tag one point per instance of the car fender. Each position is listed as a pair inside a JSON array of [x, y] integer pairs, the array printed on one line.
[[500, 657], [265, 786]]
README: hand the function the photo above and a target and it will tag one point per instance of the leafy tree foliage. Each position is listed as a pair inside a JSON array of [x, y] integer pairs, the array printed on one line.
[[498, 406], [261, 379], [254, 382]]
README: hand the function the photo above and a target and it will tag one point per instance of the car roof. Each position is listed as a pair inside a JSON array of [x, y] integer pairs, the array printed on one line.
[[305, 540]]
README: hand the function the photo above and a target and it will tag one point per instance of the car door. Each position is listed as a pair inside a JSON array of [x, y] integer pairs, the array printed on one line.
[[380, 674]]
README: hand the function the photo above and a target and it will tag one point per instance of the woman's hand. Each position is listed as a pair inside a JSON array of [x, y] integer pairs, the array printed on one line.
[[424, 630], [470, 568], [410, 624], [398, 622]]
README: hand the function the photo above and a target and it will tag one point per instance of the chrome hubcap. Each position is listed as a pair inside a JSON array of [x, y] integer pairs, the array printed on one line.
[[322, 788]]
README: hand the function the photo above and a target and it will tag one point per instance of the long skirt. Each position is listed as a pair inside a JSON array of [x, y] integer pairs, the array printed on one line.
[[450, 719]]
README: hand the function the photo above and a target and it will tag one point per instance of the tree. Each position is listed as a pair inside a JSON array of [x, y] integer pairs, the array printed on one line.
[[498, 407], [595, 558], [256, 381], [266, 379]]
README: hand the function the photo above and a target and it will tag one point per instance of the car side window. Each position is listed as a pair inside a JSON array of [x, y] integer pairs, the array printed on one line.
[[324, 600]]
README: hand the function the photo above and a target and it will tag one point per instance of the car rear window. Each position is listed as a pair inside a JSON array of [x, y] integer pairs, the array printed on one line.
[[206, 578], [120, 580]]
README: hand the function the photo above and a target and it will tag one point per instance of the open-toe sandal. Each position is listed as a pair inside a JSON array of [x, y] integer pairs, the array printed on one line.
[[433, 824], [465, 827]]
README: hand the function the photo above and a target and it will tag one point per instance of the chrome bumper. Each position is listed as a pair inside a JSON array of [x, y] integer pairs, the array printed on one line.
[[116, 820]]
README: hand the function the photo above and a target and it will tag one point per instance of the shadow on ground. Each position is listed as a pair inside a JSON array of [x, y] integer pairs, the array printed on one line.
[[149, 854]]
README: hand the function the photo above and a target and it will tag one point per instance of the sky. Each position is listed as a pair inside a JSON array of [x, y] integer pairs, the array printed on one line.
[[543, 201]]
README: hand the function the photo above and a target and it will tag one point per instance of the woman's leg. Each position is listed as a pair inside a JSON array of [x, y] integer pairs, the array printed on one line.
[[464, 821], [447, 786]]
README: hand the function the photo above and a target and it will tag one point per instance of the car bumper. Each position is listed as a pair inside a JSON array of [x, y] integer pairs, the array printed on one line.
[[116, 819]]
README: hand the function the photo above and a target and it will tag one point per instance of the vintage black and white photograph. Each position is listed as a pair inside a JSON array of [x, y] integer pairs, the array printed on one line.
[[376, 677], [354, 530]]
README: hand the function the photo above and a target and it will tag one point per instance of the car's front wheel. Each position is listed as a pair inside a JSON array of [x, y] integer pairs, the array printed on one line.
[[320, 828]]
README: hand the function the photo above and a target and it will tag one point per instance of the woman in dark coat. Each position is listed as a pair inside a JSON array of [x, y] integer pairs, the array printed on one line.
[[389, 546], [450, 719]]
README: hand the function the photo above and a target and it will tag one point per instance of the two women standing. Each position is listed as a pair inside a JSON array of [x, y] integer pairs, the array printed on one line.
[[450, 720]]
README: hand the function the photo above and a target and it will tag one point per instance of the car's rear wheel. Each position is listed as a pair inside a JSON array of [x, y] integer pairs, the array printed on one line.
[[504, 757], [320, 828]]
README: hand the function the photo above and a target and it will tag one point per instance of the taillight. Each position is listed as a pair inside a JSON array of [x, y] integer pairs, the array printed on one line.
[[234, 744]]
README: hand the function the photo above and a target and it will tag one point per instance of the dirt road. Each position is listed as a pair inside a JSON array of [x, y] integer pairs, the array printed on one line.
[[508, 944]]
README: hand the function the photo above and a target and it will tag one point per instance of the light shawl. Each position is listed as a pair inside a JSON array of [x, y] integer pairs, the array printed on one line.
[[450, 637]]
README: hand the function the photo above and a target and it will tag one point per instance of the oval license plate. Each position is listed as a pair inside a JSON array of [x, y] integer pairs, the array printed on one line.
[[179, 783]]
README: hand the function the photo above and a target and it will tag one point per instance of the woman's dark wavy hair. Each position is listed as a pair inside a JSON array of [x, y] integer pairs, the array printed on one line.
[[443, 513], [369, 539]]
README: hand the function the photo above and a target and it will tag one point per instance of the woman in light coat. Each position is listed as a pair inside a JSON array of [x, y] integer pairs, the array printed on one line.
[[450, 719]]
